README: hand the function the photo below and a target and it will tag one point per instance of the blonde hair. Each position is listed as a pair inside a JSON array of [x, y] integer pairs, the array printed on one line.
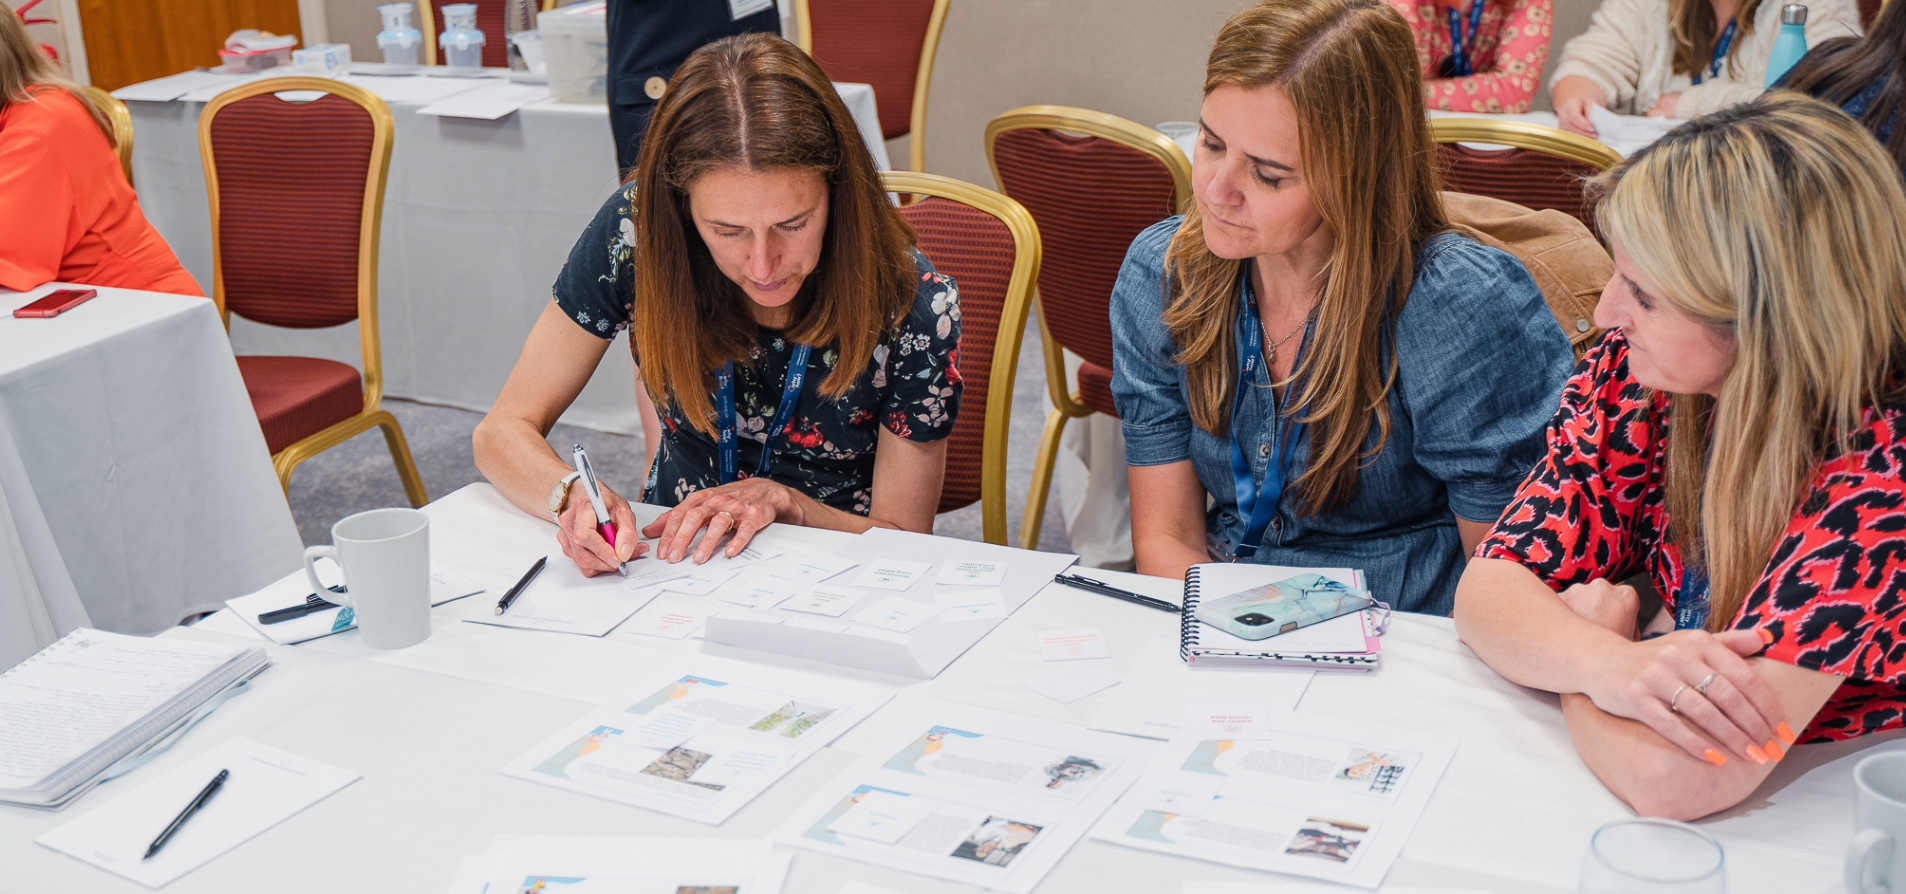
[[1779, 223], [25, 70], [1349, 69]]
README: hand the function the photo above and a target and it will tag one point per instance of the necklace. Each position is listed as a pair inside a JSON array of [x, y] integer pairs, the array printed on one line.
[[1270, 351]]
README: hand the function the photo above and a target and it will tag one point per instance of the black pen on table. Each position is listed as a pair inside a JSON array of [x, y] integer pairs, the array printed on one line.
[[503, 605], [1101, 587], [205, 794]]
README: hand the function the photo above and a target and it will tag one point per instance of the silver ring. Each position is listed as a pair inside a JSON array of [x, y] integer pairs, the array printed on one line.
[[1701, 687], [1675, 696]]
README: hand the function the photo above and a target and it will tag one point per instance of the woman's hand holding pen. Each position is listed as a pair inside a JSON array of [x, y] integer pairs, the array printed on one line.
[[584, 545], [743, 507]]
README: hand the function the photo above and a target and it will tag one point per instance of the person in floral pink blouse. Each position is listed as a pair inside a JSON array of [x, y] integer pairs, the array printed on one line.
[[1492, 64]]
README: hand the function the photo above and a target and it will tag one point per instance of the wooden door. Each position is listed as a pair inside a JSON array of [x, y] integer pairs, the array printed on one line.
[[128, 41]]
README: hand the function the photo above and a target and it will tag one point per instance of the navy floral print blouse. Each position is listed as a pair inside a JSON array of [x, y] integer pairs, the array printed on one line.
[[911, 387]]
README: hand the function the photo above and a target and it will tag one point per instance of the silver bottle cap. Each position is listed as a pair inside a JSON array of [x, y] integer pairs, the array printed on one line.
[[1793, 14]]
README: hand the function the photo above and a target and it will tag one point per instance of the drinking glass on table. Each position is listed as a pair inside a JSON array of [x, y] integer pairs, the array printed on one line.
[[1653, 856]]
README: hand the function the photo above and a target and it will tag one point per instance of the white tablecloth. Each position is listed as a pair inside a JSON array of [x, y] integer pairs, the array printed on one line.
[[478, 218], [135, 488], [428, 726]]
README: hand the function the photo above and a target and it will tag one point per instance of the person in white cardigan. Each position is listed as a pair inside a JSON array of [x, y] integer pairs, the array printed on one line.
[[1625, 61]]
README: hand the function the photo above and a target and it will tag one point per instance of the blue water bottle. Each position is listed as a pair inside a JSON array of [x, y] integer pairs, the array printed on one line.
[[1790, 44]]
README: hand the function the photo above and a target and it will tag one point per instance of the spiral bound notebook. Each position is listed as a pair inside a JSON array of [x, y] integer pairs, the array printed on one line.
[[1344, 643]]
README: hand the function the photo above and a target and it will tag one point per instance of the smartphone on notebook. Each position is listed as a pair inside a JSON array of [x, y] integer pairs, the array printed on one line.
[[1266, 611], [55, 303]]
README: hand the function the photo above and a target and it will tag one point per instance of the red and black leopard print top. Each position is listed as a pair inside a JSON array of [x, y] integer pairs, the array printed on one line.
[[1834, 593]]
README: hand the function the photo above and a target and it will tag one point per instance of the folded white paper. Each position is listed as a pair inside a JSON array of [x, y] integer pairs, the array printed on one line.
[[891, 574], [983, 604], [669, 619], [562, 600], [265, 787], [972, 573], [700, 583], [827, 600], [897, 613], [762, 592], [489, 102], [813, 569], [1066, 685]]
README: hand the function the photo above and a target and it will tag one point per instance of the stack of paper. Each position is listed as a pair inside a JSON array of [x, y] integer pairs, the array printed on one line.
[[71, 712], [552, 864], [446, 585]]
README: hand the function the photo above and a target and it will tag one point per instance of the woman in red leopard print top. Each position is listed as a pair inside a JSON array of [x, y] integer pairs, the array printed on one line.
[[1738, 438]]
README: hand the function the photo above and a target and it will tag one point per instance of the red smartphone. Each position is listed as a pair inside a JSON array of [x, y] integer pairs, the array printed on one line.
[[55, 304]]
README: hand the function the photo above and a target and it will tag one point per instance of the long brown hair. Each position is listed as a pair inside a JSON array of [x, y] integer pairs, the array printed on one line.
[[1349, 68], [757, 102], [1743, 219], [1692, 26], [1839, 69], [24, 71]]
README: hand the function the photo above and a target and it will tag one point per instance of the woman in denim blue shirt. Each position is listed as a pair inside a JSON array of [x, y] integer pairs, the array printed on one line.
[[1396, 377]]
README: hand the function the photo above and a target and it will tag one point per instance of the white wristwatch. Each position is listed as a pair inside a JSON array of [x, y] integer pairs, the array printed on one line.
[[559, 496]]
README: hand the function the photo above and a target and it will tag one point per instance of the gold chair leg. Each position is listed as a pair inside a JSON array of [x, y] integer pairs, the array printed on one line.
[[1042, 466], [400, 454]]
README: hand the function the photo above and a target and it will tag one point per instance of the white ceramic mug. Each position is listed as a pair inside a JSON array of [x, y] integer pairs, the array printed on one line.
[[385, 554], [1876, 860]]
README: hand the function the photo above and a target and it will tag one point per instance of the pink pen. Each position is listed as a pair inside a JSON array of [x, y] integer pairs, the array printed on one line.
[[603, 525]]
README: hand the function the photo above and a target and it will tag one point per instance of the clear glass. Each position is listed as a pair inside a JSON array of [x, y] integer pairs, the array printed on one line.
[[1653, 856], [398, 40], [1184, 133]]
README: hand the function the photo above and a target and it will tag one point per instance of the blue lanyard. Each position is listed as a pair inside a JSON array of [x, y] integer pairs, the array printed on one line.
[[1691, 601], [1255, 503], [1459, 49], [725, 413], [1720, 54]]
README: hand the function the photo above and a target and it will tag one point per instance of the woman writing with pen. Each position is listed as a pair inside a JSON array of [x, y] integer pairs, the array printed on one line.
[[802, 353]]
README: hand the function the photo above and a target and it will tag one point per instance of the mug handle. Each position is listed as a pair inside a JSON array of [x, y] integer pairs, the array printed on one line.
[[311, 555], [1867, 845]]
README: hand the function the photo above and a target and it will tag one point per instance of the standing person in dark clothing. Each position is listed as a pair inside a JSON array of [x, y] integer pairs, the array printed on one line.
[[649, 38]]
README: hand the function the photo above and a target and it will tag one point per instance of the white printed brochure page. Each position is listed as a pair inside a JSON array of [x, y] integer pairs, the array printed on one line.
[[701, 740], [970, 795], [1325, 797], [553, 864]]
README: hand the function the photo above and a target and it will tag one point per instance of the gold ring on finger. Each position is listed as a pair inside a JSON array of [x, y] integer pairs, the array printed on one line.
[[1702, 686], [730, 516], [1675, 697]]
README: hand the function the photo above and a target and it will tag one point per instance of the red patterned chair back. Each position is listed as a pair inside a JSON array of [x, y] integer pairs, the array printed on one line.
[[1541, 167], [290, 183], [988, 244], [888, 44], [1093, 182]]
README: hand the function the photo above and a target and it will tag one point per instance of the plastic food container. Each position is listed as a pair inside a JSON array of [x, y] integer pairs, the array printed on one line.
[[576, 52], [250, 50], [328, 58]]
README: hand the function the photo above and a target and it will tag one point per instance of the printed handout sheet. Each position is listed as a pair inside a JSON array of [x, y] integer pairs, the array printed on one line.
[[1160, 688], [970, 795], [1324, 797], [562, 600], [578, 864], [701, 740]]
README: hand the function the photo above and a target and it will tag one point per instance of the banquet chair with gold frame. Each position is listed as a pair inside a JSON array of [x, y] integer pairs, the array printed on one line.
[[1542, 168], [989, 245], [888, 44], [121, 120], [297, 198], [1092, 181]]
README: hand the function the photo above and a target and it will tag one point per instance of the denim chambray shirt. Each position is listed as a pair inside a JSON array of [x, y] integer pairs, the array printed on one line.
[[1481, 364]]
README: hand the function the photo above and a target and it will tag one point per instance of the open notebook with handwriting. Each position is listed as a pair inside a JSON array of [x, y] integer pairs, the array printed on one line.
[[1348, 642], [75, 710]]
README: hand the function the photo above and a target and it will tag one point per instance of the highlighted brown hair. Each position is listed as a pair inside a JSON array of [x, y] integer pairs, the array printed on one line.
[[757, 102], [24, 71], [1349, 69]]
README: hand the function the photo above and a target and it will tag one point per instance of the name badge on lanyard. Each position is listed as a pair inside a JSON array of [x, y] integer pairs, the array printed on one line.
[[725, 414], [1257, 503], [1720, 55], [1691, 601], [1462, 47]]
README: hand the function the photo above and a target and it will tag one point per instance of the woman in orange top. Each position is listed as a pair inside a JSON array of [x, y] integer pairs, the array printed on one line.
[[67, 213]]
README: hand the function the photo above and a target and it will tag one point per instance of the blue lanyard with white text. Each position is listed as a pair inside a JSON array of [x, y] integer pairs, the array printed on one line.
[[725, 413], [1259, 504], [1691, 601], [1460, 49], [1720, 54]]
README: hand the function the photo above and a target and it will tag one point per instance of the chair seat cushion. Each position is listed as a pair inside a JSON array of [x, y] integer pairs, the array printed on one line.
[[297, 397], [1095, 388]]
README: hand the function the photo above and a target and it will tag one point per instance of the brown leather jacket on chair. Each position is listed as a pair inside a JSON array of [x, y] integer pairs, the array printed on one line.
[[1561, 255]]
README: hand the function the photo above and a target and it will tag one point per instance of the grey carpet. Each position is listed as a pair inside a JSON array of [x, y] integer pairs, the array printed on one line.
[[358, 474]]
